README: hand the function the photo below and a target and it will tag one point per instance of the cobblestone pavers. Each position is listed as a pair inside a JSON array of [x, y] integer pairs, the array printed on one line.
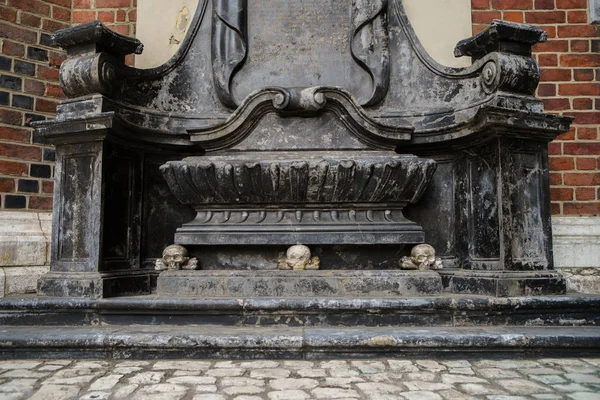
[[376, 379]]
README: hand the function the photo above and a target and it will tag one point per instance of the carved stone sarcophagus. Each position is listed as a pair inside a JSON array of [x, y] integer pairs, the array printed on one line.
[[294, 122]]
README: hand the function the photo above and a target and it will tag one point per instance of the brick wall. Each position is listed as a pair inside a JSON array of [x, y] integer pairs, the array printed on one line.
[[570, 63], [29, 89]]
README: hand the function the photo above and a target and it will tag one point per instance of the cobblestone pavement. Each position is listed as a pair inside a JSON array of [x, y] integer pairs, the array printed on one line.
[[544, 379]]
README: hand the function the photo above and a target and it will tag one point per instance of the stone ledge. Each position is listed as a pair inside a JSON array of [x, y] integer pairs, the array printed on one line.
[[212, 341], [577, 252]]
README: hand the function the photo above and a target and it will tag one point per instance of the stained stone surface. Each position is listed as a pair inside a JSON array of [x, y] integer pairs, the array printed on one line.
[[406, 379]]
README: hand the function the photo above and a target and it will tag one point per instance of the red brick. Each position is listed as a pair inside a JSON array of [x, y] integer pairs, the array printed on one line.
[[17, 33], [580, 60], [40, 203], [556, 179], [548, 60], [8, 14], [579, 89], [34, 6], [121, 16], [10, 117], [547, 90], [48, 73], [577, 17], [555, 74], [54, 91], [583, 104], [13, 49], [552, 46], [106, 16], [561, 163], [13, 168], [555, 148], [15, 134], [132, 15], [61, 14], [566, 4], [586, 133], [557, 104], [582, 148], [555, 208], [53, 26], [581, 208], [580, 46], [122, 29], [513, 16], [79, 17], [582, 179], [545, 17], [544, 4], [586, 163], [561, 194], [77, 4], [571, 31], [30, 20], [583, 74], [585, 194], [30, 153], [7, 185], [112, 3], [567, 135], [62, 3], [55, 59], [48, 187], [480, 4], [585, 118], [34, 87], [512, 4], [46, 106]]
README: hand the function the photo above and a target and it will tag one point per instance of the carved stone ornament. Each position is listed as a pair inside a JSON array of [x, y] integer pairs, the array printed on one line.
[[176, 257], [422, 257], [298, 257]]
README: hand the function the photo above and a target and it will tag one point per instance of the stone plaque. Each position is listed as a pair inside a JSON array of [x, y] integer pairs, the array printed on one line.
[[301, 43]]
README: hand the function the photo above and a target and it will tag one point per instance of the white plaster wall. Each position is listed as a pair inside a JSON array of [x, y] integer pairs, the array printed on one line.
[[440, 24], [161, 26]]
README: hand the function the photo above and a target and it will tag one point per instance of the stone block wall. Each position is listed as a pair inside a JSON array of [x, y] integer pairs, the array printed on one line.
[[570, 85]]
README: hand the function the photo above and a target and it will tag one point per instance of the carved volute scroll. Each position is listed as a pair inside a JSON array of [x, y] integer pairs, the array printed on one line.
[[370, 44], [229, 45]]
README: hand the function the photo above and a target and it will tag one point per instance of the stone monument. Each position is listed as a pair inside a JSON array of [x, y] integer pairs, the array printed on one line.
[[321, 154]]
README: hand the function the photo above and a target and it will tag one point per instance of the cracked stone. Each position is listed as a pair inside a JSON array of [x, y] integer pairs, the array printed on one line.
[[148, 377], [105, 383], [334, 393], [270, 373]]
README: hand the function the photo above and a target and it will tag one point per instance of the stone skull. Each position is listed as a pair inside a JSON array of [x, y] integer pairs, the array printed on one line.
[[298, 257], [175, 256], [423, 255]]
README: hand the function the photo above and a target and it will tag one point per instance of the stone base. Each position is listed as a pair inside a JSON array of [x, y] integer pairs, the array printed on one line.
[[325, 283], [506, 284], [95, 285]]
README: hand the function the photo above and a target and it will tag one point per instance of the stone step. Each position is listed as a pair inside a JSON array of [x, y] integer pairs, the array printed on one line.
[[210, 341], [439, 311]]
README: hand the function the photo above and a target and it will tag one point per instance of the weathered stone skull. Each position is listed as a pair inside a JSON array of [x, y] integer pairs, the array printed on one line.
[[423, 255], [175, 256], [298, 257]]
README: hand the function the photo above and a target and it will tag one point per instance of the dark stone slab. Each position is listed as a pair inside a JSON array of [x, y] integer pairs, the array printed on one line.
[[303, 284], [154, 342], [440, 311]]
